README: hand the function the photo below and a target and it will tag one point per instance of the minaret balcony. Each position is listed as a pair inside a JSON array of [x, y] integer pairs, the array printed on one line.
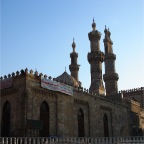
[[74, 67], [110, 56], [94, 35], [73, 54], [108, 40], [110, 76], [96, 70], [95, 56]]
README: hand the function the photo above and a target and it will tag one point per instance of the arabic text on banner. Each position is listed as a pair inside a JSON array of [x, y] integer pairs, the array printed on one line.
[[56, 86]]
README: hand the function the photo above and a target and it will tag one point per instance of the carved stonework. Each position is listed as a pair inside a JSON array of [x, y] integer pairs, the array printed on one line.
[[8, 91], [95, 58], [105, 108], [41, 91], [110, 76], [110, 56], [78, 101]]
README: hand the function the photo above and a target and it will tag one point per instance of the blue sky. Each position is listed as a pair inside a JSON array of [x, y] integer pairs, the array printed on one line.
[[38, 34]]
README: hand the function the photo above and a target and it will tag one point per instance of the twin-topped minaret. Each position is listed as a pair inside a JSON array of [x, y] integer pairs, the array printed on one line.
[[96, 58], [110, 76]]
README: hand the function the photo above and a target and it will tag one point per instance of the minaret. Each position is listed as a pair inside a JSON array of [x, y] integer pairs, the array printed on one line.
[[110, 77], [74, 67], [95, 58]]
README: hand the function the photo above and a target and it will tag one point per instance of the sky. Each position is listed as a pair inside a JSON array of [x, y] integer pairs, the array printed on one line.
[[37, 34]]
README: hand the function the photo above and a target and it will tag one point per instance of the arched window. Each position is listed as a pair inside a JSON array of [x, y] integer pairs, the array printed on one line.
[[6, 120], [80, 123], [105, 124], [44, 116]]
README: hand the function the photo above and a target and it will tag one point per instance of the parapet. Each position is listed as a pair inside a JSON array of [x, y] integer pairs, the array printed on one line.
[[133, 90], [80, 89], [22, 73]]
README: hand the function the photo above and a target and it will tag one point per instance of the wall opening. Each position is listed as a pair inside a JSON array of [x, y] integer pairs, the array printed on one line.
[[81, 123], [105, 124], [6, 120], [44, 116]]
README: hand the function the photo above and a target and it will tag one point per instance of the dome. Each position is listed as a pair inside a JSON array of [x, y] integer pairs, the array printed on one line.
[[67, 79]]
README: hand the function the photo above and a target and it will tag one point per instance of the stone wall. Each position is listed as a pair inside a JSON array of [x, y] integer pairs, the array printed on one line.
[[26, 96], [15, 96]]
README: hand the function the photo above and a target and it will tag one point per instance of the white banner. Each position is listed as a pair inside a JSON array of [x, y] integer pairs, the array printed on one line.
[[56, 86]]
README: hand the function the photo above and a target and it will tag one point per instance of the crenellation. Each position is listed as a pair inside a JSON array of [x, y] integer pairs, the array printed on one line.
[[50, 77], [5, 77], [36, 73], [40, 74], [17, 73], [22, 72], [13, 74], [31, 71], [110, 99], [133, 90], [26, 71], [9, 75]]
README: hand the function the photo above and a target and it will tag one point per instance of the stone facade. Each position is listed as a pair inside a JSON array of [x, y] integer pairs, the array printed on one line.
[[26, 96], [30, 109]]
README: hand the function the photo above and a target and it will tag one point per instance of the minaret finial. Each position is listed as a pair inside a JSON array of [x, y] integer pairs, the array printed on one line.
[[105, 26], [65, 68], [73, 45], [93, 25]]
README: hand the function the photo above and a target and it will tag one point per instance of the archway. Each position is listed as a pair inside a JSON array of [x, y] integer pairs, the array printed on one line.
[[44, 116], [80, 123], [105, 124], [6, 120]]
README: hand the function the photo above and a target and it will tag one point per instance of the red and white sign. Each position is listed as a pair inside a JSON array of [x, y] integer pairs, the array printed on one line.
[[56, 86]]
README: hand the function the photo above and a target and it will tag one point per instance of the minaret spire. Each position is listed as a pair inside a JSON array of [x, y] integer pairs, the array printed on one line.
[[110, 77], [95, 58], [73, 45], [74, 67], [65, 69], [94, 25]]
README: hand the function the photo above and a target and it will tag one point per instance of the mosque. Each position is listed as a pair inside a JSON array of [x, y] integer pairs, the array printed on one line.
[[34, 104]]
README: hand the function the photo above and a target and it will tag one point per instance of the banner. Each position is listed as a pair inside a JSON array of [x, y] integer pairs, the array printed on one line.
[[6, 83], [56, 86]]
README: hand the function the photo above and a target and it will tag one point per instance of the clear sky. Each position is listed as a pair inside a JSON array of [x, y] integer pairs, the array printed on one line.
[[38, 34]]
